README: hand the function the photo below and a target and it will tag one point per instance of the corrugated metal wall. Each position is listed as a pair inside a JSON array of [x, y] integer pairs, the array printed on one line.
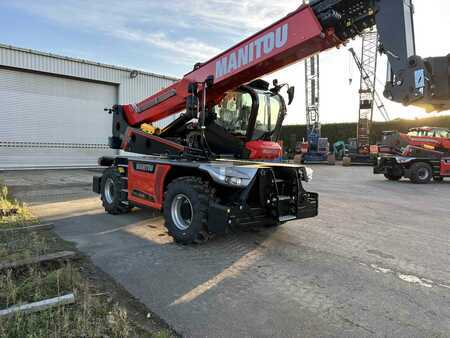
[[37, 108], [34, 86]]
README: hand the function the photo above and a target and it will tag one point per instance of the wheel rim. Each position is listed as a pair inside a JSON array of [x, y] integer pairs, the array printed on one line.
[[182, 212], [423, 174], [109, 191]]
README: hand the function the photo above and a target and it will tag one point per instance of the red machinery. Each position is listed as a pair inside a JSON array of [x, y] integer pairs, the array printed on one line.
[[192, 171], [420, 155], [419, 164], [426, 137], [291, 39]]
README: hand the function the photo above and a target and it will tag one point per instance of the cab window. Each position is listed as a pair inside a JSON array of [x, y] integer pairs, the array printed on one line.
[[443, 133], [268, 114], [233, 113]]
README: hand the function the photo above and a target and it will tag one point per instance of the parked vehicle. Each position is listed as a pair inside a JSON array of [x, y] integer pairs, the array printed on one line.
[[432, 138], [418, 164]]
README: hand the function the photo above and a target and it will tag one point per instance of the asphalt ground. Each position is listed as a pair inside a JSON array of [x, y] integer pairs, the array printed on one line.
[[374, 263]]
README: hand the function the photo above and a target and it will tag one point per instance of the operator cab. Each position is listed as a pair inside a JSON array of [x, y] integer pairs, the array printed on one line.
[[248, 122]]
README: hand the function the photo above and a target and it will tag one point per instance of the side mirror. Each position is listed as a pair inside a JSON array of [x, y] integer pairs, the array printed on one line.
[[275, 83], [291, 94]]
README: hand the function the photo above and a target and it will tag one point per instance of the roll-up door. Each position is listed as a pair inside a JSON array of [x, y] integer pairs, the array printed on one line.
[[51, 121]]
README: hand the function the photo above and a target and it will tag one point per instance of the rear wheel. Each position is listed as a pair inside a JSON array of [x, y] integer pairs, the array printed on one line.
[[421, 173], [438, 179], [112, 193], [392, 177], [186, 205]]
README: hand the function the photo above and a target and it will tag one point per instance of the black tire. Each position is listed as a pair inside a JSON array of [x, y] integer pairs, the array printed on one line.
[[186, 203], [421, 173], [111, 192], [438, 179], [392, 177]]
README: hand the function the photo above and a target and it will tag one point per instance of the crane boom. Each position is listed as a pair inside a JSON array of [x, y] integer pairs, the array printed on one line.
[[289, 40]]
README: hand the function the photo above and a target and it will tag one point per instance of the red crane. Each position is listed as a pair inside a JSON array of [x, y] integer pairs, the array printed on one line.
[[289, 40]]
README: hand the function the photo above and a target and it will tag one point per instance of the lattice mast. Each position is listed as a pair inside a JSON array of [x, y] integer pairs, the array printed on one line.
[[312, 95], [368, 96]]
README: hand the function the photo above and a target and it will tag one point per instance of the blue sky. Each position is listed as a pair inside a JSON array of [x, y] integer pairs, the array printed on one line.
[[168, 37]]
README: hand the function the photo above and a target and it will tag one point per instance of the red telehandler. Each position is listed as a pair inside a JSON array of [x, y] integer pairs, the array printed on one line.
[[199, 169], [431, 138], [420, 155]]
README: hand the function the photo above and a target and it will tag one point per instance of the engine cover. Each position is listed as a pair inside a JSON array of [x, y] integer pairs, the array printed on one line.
[[264, 150]]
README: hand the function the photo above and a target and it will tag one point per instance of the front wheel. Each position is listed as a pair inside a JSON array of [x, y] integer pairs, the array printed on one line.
[[186, 205], [421, 173], [438, 179]]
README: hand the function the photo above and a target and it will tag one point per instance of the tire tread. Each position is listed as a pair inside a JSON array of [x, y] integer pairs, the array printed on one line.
[[204, 193]]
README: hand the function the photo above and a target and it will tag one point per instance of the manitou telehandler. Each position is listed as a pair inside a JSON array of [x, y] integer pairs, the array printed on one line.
[[432, 138], [199, 170]]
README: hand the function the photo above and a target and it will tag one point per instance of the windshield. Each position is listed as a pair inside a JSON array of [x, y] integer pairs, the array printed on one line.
[[233, 113], [430, 133], [268, 113]]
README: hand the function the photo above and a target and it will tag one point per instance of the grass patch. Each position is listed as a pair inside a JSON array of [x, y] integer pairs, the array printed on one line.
[[95, 313], [17, 246], [90, 316], [36, 284], [13, 212]]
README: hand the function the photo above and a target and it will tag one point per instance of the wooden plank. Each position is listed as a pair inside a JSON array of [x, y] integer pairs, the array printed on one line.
[[8, 212], [38, 227], [38, 306], [38, 260]]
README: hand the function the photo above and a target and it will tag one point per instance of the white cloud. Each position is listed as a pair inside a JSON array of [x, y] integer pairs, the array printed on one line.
[[136, 21], [185, 51]]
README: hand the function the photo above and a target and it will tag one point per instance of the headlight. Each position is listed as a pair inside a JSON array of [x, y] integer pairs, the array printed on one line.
[[230, 175]]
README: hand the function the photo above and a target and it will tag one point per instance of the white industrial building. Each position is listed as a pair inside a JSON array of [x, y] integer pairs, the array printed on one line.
[[51, 107]]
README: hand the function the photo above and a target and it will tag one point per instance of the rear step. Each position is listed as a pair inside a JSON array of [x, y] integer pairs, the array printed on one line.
[[287, 218]]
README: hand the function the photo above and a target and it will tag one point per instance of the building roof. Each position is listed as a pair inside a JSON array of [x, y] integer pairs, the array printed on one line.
[[83, 61]]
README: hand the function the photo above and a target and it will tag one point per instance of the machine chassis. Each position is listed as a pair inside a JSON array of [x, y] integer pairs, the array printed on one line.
[[236, 193]]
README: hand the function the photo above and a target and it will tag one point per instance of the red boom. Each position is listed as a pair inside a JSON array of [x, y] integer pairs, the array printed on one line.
[[287, 41]]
